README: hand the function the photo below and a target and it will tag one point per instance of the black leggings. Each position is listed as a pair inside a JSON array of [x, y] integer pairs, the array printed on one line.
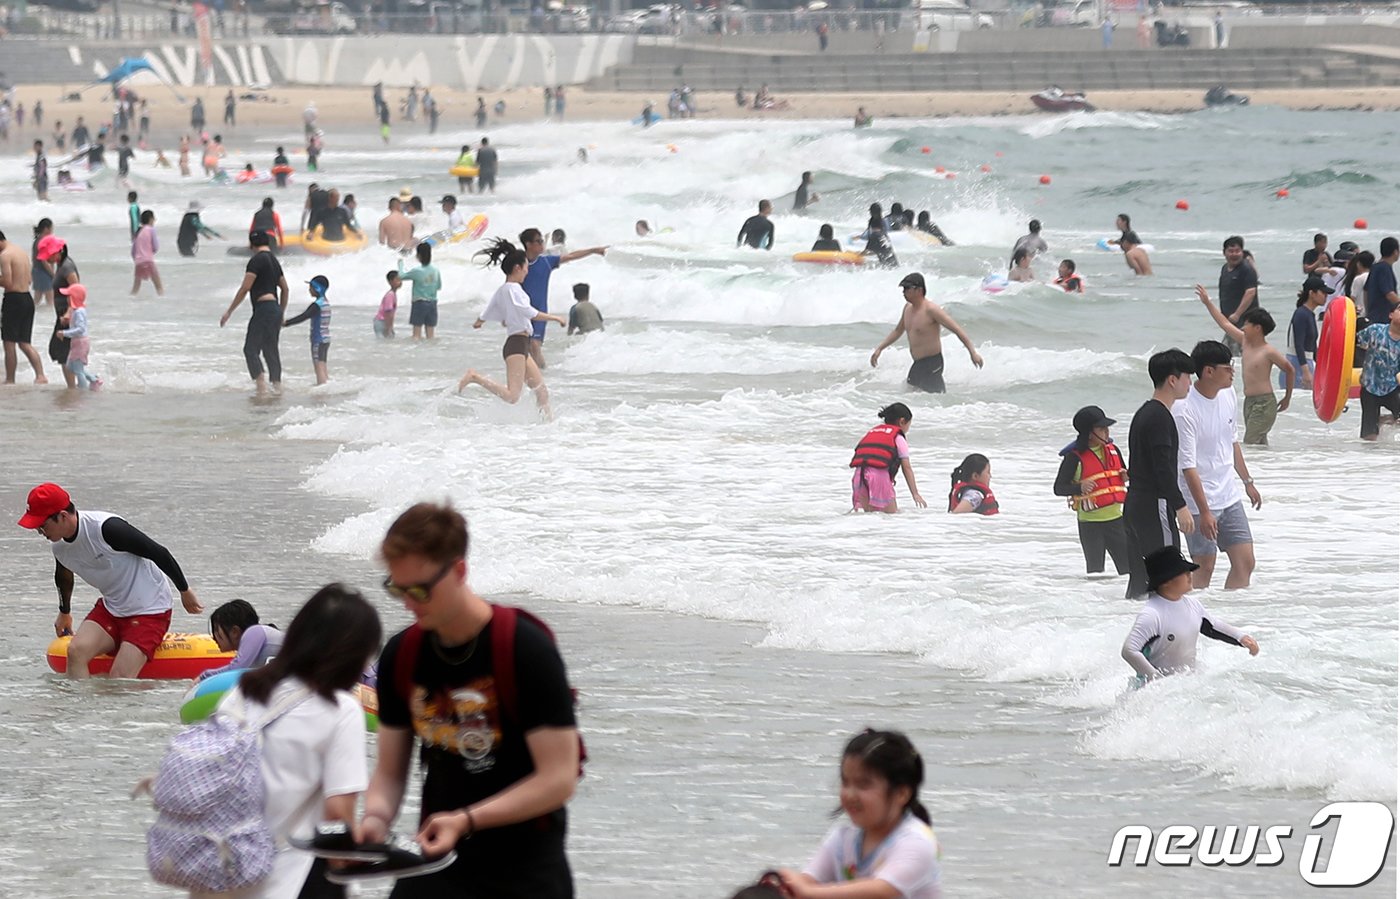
[[1096, 537], [264, 328]]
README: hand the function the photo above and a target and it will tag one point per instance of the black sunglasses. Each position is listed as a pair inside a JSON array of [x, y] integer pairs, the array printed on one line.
[[419, 593]]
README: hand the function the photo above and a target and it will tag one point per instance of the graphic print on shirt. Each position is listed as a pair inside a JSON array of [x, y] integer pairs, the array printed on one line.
[[461, 720]]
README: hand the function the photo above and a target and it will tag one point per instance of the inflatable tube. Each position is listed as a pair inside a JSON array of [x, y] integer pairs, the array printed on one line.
[[995, 284], [204, 697], [1104, 244], [464, 171], [179, 656], [655, 117], [317, 245], [1336, 352], [290, 247], [281, 170], [830, 257], [476, 226]]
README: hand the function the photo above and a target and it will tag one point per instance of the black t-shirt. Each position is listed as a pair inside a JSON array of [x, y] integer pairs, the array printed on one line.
[[757, 232], [1233, 284], [1310, 256], [334, 222], [472, 751], [486, 160], [826, 246], [1152, 456], [799, 202], [267, 272], [189, 235]]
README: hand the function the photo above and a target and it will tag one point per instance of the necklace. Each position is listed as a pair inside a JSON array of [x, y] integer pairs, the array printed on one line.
[[455, 655]]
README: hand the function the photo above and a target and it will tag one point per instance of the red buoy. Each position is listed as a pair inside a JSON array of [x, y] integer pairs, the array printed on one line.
[[1044, 179], [1183, 205]]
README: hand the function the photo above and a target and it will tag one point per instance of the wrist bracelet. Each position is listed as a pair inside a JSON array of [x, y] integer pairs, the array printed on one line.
[[471, 826]]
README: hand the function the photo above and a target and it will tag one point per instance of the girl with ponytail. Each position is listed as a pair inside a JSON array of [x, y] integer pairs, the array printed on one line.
[[971, 491], [887, 849], [510, 306]]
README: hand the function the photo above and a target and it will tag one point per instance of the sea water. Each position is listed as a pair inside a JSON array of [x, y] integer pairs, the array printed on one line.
[[683, 519]]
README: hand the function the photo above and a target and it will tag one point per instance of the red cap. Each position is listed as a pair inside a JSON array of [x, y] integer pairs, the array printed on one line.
[[44, 501]]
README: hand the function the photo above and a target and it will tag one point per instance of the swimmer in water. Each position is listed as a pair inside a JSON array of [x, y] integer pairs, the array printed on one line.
[[879, 458], [1134, 254], [926, 225], [757, 230], [805, 196], [826, 242], [923, 320], [971, 490], [877, 239], [643, 229], [1164, 636], [1021, 267], [1067, 280]]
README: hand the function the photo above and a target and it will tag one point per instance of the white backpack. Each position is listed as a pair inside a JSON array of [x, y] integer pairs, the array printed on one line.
[[211, 834]]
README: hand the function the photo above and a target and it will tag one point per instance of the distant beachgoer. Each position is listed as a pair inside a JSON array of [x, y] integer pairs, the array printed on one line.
[[143, 255], [41, 172], [1124, 223], [230, 109], [396, 229], [1164, 635], [1135, 255], [757, 230], [133, 214], [863, 119], [487, 163], [971, 489], [879, 458], [888, 848], [281, 167], [466, 159], [826, 241], [1020, 266], [1094, 477], [802, 199], [235, 628], [642, 228], [187, 241], [510, 306], [75, 331], [1317, 258], [1031, 242], [1067, 277], [877, 239], [480, 112], [1261, 407], [269, 222], [264, 282], [17, 311], [539, 266], [583, 315], [427, 281], [924, 320], [42, 285], [184, 156], [926, 225]]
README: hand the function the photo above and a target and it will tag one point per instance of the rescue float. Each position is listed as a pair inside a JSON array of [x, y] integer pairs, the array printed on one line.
[[179, 656]]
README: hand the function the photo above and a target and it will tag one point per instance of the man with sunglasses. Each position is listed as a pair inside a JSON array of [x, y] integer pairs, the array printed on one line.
[[498, 773], [132, 572], [539, 266]]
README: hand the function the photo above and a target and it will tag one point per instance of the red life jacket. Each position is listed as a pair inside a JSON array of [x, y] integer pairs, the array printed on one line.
[[877, 449], [504, 620], [989, 502], [1109, 474]]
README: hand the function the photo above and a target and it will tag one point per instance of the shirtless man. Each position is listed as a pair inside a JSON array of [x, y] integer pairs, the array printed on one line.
[[17, 311], [923, 320], [1134, 254], [396, 229]]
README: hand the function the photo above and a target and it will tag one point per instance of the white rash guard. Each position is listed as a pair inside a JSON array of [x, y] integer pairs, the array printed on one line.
[[1163, 638]]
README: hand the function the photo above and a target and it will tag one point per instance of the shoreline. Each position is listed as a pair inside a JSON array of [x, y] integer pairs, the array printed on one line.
[[339, 107]]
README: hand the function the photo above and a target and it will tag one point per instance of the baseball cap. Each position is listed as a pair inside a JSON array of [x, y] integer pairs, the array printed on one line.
[[49, 246], [1090, 417], [45, 501], [913, 279], [259, 239], [75, 292], [321, 282], [1315, 283]]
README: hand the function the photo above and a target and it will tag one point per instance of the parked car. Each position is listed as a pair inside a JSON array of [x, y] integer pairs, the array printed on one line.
[[949, 15], [326, 18]]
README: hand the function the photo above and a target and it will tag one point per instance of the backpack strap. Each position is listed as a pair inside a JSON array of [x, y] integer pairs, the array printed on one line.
[[406, 660], [503, 623]]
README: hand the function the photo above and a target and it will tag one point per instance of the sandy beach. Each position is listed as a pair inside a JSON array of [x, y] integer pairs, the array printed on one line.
[[281, 108]]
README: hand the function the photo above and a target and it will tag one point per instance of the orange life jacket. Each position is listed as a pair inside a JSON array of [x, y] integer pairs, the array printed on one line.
[[877, 449], [1108, 474], [989, 502], [1073, 284]]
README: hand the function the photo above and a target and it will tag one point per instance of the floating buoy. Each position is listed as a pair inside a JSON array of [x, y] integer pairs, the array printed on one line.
[[951, 175], [999, 154], [1359, 224], [986, 168], [1282, 192], [1183, 205], [1044, 179], [925, 150], [938, 169], [672, 148]]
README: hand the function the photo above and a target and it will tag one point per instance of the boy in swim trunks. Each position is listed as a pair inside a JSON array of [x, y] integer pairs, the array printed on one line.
[[879, 457], [924, 320], [1261, 408]]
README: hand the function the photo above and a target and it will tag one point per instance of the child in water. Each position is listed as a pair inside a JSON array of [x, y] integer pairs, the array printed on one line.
[[319, 314], [1067, 278], [384, 318], [77, 334], [879, 458], [972, 490], [888, 847], [235, 628]]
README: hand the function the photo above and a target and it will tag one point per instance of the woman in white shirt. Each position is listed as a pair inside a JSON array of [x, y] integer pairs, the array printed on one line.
[[314, 754], [510, 306]]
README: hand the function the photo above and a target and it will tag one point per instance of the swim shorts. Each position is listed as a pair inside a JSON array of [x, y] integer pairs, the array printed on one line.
[[1232, 527], [1371, 406], [145, 632], [423, 313], [927, 374], [1260, 412], [17, 317], [321, 351], [145, 271], [873, 487], [516, 345]]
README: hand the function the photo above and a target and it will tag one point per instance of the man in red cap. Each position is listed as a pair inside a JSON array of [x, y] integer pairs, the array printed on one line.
[[130, 570]]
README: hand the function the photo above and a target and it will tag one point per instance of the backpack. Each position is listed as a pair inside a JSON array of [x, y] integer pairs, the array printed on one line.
[[210, 834], [503, 625]]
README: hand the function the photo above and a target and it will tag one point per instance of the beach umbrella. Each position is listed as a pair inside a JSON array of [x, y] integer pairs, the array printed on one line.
[[128, 66]]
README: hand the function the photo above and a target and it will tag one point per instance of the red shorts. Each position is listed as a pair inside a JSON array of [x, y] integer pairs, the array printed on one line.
[[145, 632], [145, 271]]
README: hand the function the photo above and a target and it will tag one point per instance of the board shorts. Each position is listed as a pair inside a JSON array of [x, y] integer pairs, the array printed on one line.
[[1260, 413], [1232, 527], [515, 345], [17, 317], [873, 487], [145, 271], [423, 313], [320, 351], [145, 632], [927, 374], [1371, 405]]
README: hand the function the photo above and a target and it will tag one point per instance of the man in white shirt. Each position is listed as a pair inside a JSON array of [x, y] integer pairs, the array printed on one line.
[[1208, 459], [455, 221]]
